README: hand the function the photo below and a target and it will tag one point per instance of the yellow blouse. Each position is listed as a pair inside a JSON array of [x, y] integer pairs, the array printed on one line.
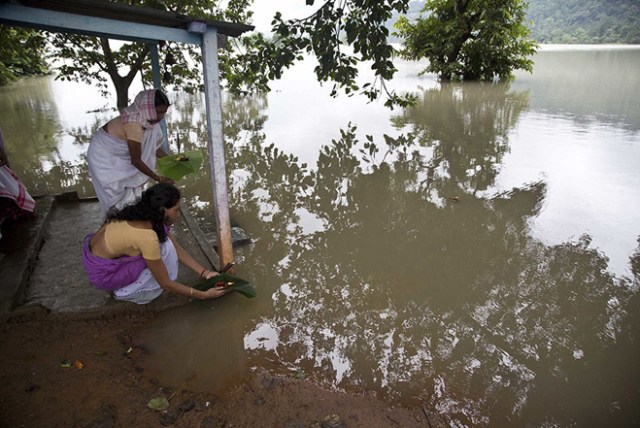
[[129, 131], [121, 238]]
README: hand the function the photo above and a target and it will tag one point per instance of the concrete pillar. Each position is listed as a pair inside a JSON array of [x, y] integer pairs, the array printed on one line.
[[215, 144]]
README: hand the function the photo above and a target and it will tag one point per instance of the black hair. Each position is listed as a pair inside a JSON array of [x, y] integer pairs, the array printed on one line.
[[160, 99], [150, 207]]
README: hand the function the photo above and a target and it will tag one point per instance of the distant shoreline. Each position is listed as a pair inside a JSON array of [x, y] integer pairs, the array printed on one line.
[[559, 47], [574, 47]]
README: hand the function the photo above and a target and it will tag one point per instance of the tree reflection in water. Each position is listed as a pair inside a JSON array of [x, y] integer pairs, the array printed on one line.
[[404, 290], [385, 266]]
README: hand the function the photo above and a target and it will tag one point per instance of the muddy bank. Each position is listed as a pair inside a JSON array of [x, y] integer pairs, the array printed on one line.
[[61, 371]]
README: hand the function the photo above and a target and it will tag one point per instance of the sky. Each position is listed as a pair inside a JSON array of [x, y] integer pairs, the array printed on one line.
[[263, 11]]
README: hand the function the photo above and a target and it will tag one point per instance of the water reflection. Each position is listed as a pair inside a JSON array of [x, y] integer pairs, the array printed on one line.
[[455, 304], [590, 86], [408, 261], [468, 127], [416, 294], [34, 133], [204, 351]]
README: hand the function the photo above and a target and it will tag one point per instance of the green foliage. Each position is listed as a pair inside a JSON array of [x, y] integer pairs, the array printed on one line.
[[575, 21], [21, 53], [94, 60], [469, 39], [585, 21], [325, 34], [257, 59]]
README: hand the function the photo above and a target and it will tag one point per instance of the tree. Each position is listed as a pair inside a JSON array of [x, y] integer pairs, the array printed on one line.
[[601, 21], [21, 53], [95, 60], [340, 34], [256, 59], [469, 39]]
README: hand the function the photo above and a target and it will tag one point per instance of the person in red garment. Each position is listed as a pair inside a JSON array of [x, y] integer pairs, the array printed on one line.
[[15, 200]]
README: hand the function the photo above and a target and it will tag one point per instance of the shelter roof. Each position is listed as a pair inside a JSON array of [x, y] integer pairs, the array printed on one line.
[[135, 14]]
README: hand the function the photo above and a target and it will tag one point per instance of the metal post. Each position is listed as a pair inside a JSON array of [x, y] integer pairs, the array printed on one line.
[[215, 144], [157, 83]]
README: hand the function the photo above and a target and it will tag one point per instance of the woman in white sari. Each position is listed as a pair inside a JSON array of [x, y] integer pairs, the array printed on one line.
[[122, 154]]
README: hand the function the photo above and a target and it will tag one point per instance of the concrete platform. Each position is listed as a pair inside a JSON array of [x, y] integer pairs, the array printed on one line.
[[42, 270]]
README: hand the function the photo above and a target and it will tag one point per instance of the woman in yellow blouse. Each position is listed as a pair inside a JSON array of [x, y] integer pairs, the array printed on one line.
[[134, 254]]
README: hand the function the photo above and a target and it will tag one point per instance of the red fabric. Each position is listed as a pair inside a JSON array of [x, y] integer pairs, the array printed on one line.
[[142, 110], [12, 188]]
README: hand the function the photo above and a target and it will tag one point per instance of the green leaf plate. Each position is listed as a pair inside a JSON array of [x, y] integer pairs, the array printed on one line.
[[177, 166], [239, 285]]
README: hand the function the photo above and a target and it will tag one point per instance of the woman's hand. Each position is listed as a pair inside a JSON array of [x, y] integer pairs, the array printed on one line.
[[214, 292]]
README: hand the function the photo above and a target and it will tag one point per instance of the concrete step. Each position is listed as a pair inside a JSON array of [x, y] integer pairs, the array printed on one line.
[[20, 243]]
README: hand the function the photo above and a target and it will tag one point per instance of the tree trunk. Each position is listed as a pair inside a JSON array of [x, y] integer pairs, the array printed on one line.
[[122, 83], [122, 93]]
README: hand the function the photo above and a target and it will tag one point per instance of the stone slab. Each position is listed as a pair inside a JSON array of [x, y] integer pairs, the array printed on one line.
[[19, 245], [57, 283]]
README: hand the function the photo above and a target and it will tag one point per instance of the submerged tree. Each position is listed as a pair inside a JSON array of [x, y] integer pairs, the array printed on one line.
[[469, 39]]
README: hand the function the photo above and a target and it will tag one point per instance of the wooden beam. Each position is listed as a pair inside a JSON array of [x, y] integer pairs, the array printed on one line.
[[215, 142]]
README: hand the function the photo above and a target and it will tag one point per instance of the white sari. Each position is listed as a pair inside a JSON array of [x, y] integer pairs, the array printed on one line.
[[146, 288], [116, 181]]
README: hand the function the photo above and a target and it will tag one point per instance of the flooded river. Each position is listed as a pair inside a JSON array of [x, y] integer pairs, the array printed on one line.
[[477, 253]]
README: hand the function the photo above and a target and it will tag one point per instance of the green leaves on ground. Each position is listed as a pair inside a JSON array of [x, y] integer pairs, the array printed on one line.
[[159, 403], [237, 284], [177, 166]]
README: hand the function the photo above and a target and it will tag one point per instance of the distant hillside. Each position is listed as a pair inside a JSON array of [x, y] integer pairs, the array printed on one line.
[[585, 21], [575, 21]]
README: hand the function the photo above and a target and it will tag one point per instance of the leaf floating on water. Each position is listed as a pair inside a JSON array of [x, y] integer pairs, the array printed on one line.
[[234, 283], [65, 364], [159, 403], [246, 290]]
